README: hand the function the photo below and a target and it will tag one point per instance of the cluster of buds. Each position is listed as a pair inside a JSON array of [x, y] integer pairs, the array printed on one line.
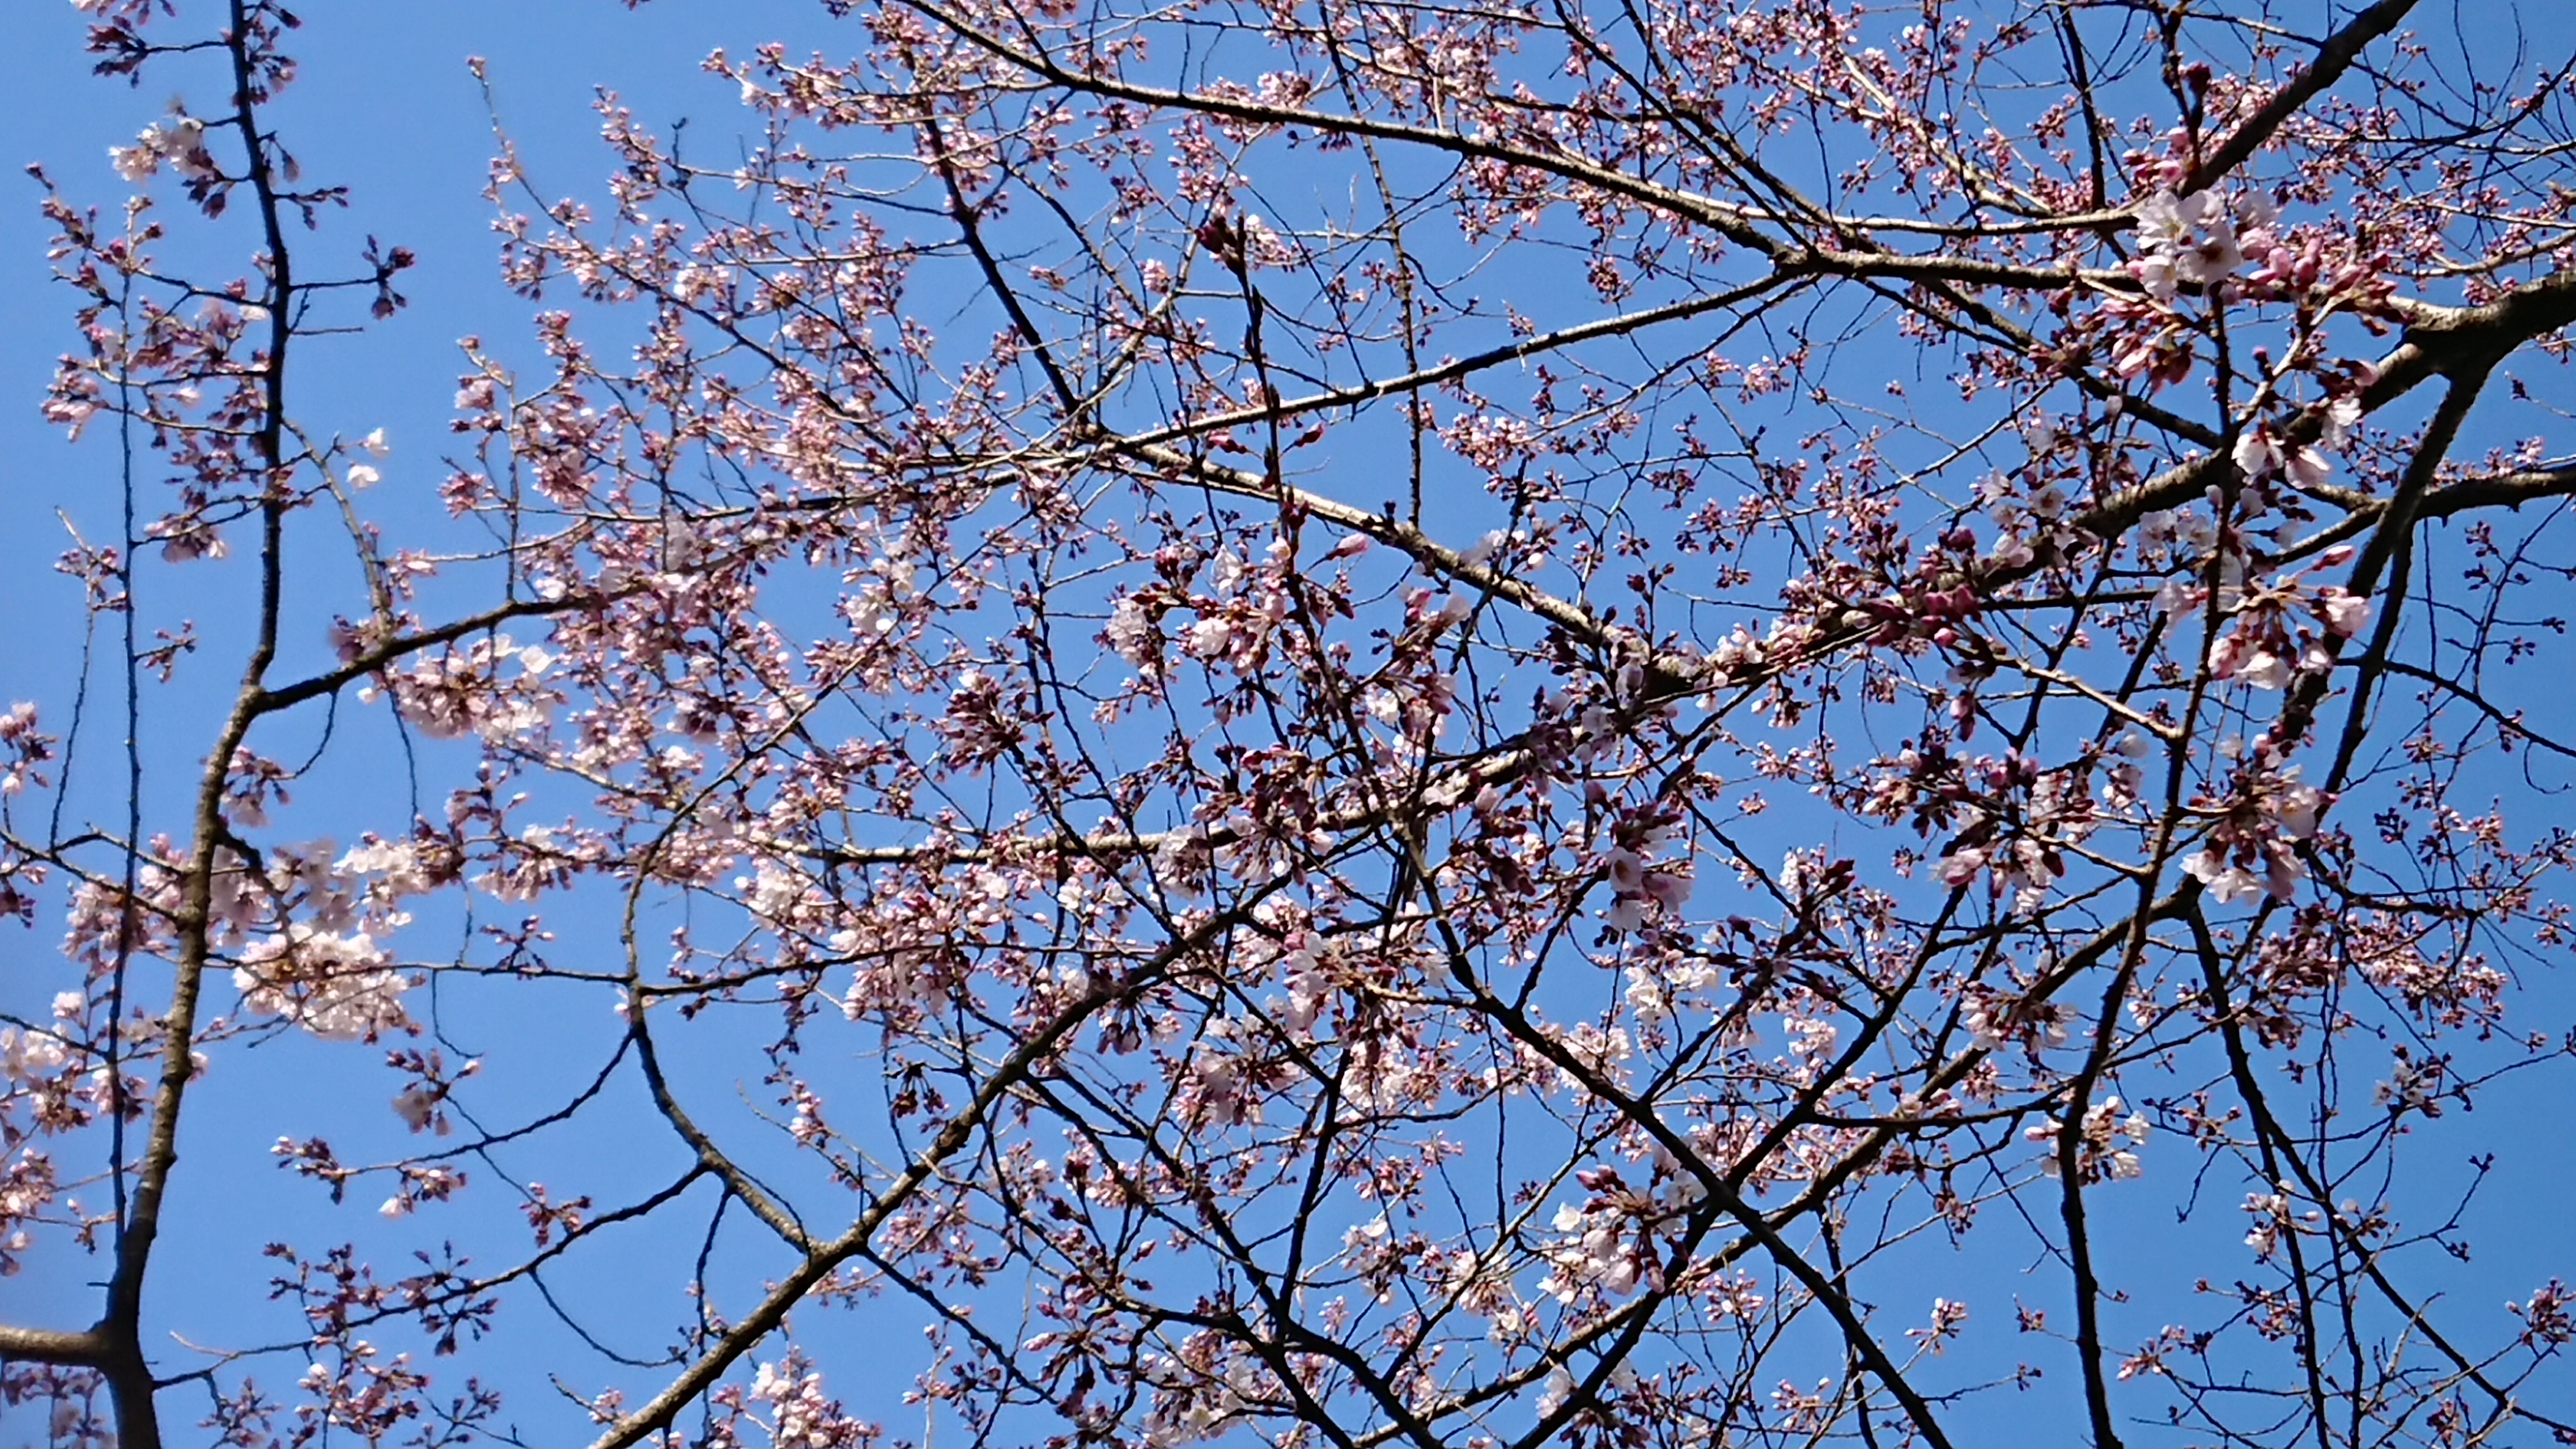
[[1605, 1243], [2252, 846], [2106, 1146]]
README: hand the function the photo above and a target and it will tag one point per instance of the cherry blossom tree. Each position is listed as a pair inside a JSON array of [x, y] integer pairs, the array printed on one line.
[[1358, 723]]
